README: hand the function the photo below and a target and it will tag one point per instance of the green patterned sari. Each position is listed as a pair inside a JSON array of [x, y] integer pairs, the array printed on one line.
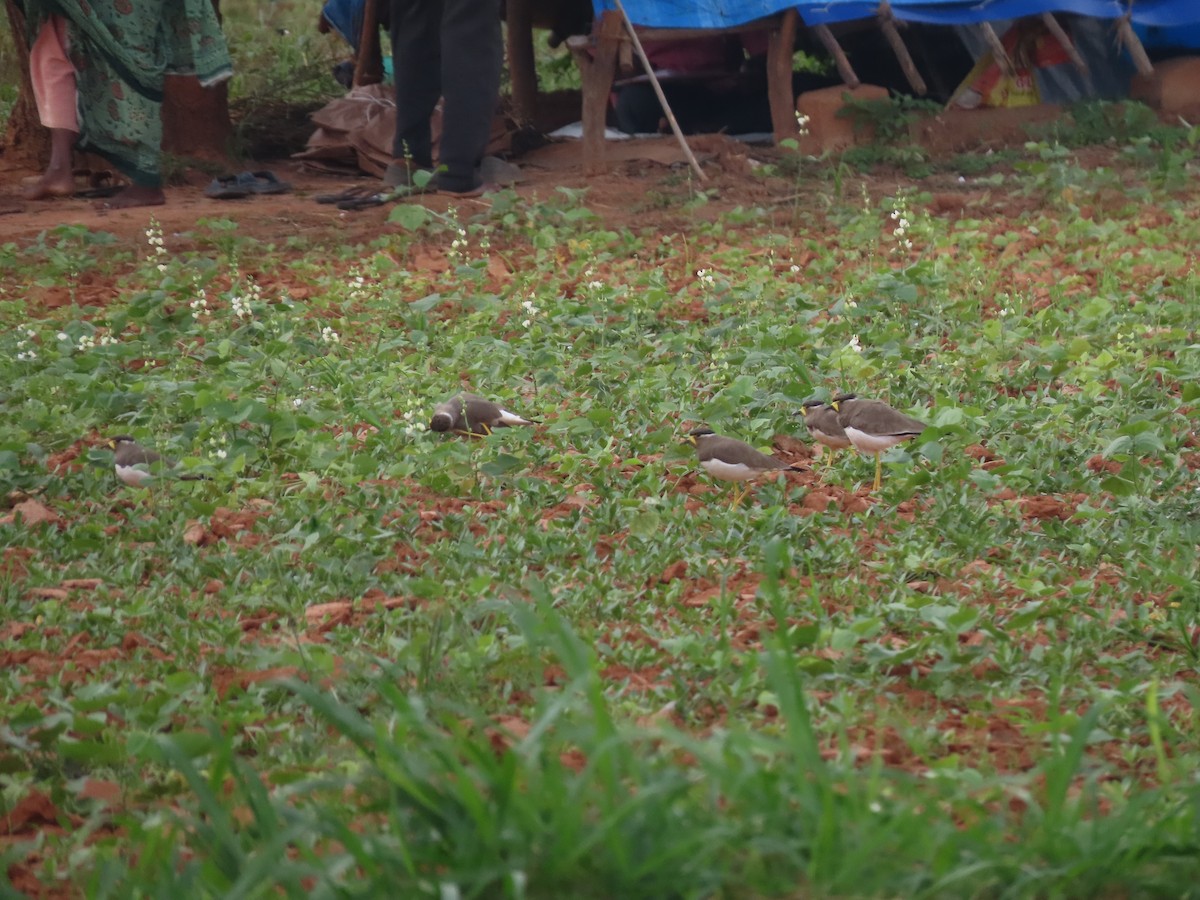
[[121, 51]]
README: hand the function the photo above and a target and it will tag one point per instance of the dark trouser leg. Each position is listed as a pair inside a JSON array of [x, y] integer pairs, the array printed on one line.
[[471, 59], [416, 53]]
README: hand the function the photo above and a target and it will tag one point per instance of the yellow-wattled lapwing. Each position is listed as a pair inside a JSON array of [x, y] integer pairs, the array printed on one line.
[[471, 414], [821, 419], [731, 460], [139, 467], [872, 426]]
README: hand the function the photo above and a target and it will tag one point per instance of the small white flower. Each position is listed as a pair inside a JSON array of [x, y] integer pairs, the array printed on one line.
[[329, 336], [297, 403], [895, 214], [854, 344], [795, 269], [26, 356], [220, 454], [63, 336], [106, 340]]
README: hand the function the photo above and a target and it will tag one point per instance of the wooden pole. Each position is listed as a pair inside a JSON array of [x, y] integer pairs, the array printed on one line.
[[1129, 39], [368, 64], [597, 72], [658, 91], [834, 49], [997, 47], [1064, 40], [781, 44], [522, 67], [887, 22]]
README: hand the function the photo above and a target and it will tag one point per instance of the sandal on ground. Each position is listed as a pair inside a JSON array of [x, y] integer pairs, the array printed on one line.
[[377, 198], [351, 193], [226, 187], [101, 185]]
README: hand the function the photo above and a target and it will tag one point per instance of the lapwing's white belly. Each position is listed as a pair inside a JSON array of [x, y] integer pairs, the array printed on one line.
[[829, 440], [133, 476], [730, 471], [874, 443]]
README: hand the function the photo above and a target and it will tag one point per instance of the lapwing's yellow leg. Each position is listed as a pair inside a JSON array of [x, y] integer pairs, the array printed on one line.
[[878, 470], [739, 495]]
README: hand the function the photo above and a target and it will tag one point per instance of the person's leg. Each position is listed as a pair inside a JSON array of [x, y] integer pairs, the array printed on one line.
[[472, 54], [416, 54], [54, 92], [638, 110]]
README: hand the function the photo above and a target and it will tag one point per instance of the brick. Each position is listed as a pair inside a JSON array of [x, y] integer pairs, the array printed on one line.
[[826, 131], [1173, 87]]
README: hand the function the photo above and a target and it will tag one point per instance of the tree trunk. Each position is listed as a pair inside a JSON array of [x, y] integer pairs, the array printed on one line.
[[195, 119]]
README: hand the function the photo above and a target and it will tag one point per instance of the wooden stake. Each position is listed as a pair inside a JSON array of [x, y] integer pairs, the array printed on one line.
[[887, 22], [637, 46], [1061, 36], [1126, 37], [835, 50], [997, 47], [368, 65]]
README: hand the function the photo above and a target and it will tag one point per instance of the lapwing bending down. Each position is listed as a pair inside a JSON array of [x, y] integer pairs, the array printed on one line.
[[872, 426], [822, 423], [138, 467], [471, 414], [731, 460]]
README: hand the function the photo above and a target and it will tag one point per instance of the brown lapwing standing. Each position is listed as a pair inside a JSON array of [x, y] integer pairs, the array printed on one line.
[[872, 426], [731, 460], [138, 467], [822, 423], [471, 414]]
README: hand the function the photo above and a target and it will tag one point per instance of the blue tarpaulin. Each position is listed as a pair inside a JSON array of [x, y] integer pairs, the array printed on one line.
[[727, 13]]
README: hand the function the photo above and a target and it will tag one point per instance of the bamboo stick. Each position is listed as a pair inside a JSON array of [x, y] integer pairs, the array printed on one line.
[[637, 46]]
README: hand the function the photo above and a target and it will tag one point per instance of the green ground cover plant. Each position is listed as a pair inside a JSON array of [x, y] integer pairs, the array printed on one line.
[[360, 658], [557, 663]]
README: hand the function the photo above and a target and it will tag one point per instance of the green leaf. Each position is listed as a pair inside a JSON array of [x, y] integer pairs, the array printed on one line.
[[409, 216]]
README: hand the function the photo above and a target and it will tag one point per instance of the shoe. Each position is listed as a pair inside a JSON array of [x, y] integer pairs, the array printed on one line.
[[226, 187], [262, 183]]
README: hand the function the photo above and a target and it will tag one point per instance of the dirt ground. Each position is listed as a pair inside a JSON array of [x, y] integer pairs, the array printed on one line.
[[619, 196], [634, 167]]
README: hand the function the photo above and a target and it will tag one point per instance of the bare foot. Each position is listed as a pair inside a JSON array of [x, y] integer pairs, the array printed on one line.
[[49, 186], [133, 195]]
